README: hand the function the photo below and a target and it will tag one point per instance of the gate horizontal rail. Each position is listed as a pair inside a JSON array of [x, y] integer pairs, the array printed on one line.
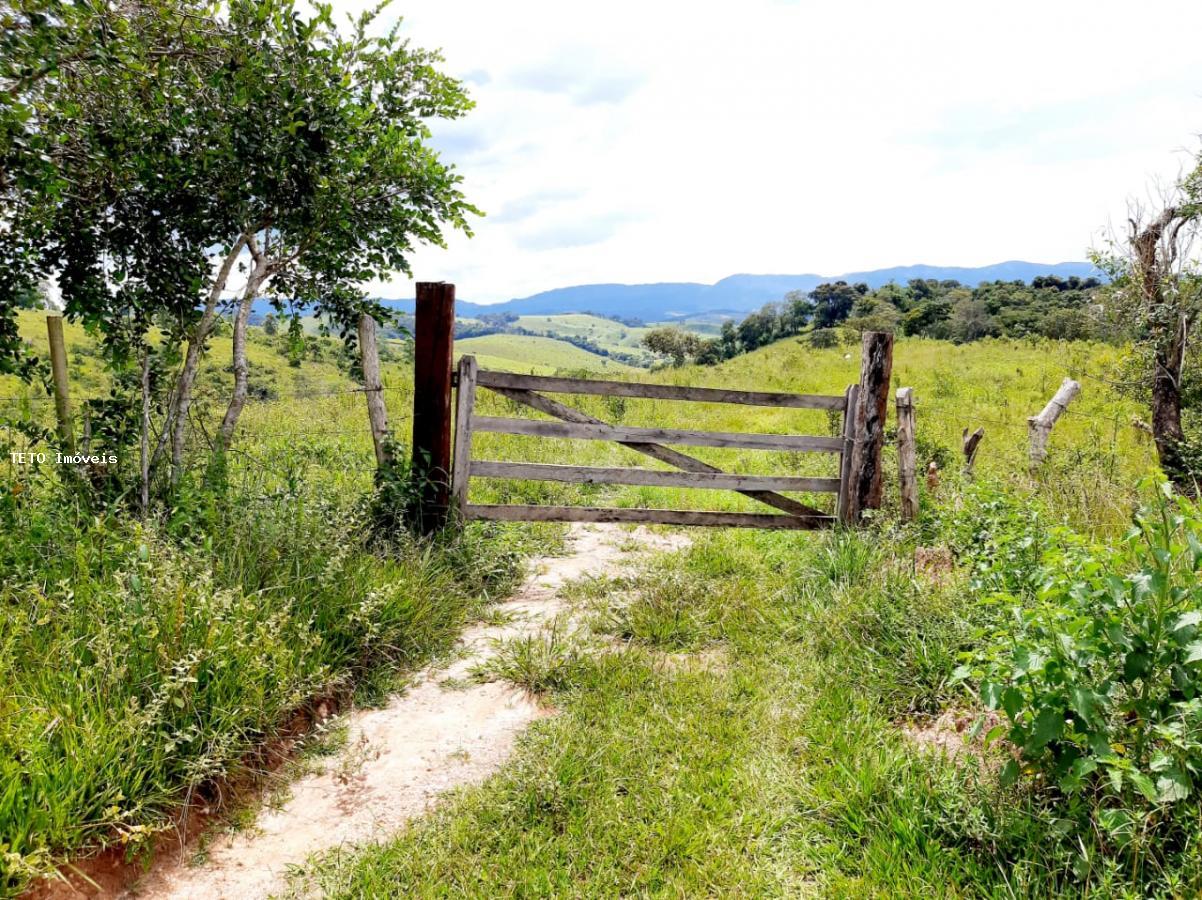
[[516, 513], [577, 425], [651, 477], [643, 390], [626, 434]]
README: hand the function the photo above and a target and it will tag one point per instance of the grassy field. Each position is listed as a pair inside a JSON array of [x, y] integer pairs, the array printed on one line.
[[745, 739], [534, 355], [1096, 455], [748, 734]]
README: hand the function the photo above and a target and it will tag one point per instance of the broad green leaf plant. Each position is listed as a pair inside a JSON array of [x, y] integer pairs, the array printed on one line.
[[1098, 674]]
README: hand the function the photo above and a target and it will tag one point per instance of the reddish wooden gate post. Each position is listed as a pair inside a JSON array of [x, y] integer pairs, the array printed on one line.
[[866, 476], [432, 351]]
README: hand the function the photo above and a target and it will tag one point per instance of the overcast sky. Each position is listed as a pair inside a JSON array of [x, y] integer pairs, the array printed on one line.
[[664, 141]]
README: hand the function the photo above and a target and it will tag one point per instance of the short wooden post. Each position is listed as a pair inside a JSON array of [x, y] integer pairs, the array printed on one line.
[[58, 369], [1039, 428], [465, 404], [144, 456], [433, 345], [907, 454], [851, 400], [969, 444], [373, 389], [876, 367]]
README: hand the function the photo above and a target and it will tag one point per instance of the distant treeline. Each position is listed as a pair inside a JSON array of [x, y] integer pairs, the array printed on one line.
[[1053, 307]]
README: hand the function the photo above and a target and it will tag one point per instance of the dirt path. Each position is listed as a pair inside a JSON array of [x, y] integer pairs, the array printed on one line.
[[441, 733]]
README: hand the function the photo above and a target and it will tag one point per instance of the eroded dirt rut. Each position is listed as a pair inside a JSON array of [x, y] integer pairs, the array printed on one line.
[[443, 732]]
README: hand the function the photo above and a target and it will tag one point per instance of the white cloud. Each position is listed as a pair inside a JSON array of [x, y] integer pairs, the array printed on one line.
[[664, 140]]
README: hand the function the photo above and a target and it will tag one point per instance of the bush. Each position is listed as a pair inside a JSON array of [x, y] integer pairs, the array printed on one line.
[[823, 338], [1100, 674]]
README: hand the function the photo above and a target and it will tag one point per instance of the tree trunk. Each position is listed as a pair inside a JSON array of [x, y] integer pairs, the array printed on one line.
[[241, 367], [373, 389], [144, 481], [1155, 250], [1166, 408], [182, 401]]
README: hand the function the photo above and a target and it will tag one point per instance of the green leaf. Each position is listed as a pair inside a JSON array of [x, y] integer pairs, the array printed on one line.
[[1049, 725], [1012, 702], [1009, 773], [994, 733], [1118, 823], [1144, 785], [991, 694], [1173, 785], [1187, 619], [1136, 664], [1084, 701], [1193, 651]]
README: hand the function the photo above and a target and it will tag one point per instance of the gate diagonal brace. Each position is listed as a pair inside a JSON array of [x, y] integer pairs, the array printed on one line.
[[655, 451]]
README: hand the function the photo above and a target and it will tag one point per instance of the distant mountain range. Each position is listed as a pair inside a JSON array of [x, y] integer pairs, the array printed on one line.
[[737, 295]]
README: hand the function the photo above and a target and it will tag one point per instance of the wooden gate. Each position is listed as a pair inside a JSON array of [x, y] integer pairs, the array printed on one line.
[[691, 472]]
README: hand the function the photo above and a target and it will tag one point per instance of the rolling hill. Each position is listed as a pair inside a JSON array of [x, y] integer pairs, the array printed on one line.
[[533, 355], [737, 295]]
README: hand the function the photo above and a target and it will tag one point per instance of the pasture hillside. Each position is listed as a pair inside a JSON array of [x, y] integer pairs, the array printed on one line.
[[534, 355]]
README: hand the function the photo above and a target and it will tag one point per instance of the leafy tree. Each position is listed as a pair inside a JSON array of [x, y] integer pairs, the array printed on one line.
[[759, 328], [202, 142], [796, 314], [873, 313], [295, 342], [270, 326], [729, 339], [833, 302], [971, 321], [673, 341]]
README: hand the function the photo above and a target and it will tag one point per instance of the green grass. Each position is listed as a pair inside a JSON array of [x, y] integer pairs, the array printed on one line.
[[772, 760], [768, 761], [141, 662], [534, 355], [743, 777], [605, 332]]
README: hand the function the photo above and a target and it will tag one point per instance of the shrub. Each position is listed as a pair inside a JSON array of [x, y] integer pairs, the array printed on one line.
[[823, 338], [1100, 674]]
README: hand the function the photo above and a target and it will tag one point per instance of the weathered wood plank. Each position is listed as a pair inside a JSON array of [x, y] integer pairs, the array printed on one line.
[[433, 329], [626, 433], [651, 516], [490, 379], [465, 404], [373, 388], [970, 444], [867, 477], [655, 451], [1039, 428], [907, 455], [849, 427], [650, 477]]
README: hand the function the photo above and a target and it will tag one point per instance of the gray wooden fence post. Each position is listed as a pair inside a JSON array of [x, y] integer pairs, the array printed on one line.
[[58, 370], [907, 454], [1039, 428], [373, 389], [433, 335], [465, 405], [866, 477]]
